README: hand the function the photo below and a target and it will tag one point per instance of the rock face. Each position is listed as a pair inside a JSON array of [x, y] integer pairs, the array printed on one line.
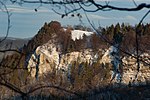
[[48, 57], [131, 75], [128, 74], [44, 59]]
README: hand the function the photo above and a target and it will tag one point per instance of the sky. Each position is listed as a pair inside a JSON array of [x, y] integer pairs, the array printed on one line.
[[26, 22]]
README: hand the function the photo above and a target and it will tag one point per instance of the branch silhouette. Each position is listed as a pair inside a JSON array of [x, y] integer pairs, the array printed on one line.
[[125, 52], [8, 20], [82, 5], [55, 87]]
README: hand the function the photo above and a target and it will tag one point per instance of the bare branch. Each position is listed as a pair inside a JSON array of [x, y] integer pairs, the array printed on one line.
[[8, 20], [10, 86], [102, 7], [107, 41], [134, 3], [55, 87]]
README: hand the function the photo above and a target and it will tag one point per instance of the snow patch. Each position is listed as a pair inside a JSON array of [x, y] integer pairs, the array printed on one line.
[[78, 34]]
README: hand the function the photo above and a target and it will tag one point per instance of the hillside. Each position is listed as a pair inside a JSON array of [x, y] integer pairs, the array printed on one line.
[[68, 63]]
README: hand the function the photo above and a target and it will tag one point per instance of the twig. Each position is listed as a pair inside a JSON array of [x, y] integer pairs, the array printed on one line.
[[137, 45], [134, 3], [8, 21], [107, 41]]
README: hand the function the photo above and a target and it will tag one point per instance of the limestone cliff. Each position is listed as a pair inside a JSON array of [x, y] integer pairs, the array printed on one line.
[[48, 58]]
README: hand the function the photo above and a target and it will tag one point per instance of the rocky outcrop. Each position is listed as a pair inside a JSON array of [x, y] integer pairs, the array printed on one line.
[[128, 72], [44, 59], [48, 57], [131, 75]]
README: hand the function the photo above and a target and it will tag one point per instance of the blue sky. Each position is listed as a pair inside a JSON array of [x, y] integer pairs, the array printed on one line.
[[26, 22]]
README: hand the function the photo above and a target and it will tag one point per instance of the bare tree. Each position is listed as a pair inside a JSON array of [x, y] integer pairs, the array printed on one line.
[[70, 8]]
